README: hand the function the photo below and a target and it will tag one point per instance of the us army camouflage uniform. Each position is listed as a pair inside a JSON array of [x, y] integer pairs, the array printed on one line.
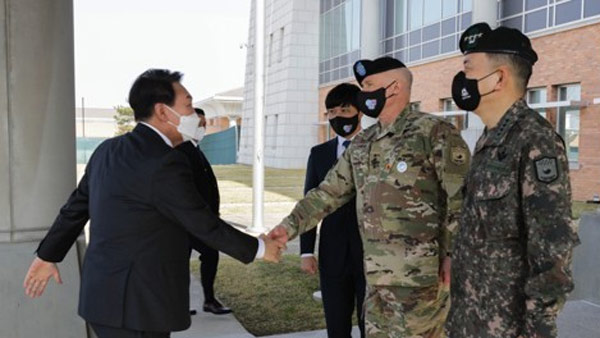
[[511, 264], [406, 179]]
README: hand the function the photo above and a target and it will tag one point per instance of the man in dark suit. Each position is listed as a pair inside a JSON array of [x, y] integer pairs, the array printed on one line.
[[340, 248], [206, 183], [140, 196]]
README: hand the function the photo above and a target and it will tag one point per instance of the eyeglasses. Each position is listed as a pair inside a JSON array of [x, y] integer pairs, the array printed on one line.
[[333, 112]]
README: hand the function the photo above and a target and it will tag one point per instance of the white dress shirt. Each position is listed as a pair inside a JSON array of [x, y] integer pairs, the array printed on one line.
[[340, 145], [260, 253]]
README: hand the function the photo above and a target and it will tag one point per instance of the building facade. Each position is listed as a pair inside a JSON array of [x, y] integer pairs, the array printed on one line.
[[565, 86], [291, 84], [222, 110]]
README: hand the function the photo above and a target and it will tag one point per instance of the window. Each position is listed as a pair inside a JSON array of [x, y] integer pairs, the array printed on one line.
[[568, 120], [467, 5], [415, 106], [533, 15], [461, 122], [274, 132], [449, 8], [415, 14], [280, 50], [537, 96], [420, 29], [432, 11], [339, 34], [400, 16], [270, 48]]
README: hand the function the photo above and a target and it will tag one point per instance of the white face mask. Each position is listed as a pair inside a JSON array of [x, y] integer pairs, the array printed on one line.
[[188, 126]]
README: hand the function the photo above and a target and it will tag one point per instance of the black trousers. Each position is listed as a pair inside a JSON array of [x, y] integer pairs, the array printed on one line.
[[341, 295], [209, 261], [114, 332]]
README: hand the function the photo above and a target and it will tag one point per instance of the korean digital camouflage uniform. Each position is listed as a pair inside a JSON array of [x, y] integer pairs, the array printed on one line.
[[511, 264], [406, 179]]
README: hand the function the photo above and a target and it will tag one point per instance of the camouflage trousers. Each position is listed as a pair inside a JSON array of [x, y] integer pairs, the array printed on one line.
[[400, 312]]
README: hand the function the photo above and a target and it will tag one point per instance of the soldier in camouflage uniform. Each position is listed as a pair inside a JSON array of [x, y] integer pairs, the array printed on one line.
[[406, 172], [511, 264]]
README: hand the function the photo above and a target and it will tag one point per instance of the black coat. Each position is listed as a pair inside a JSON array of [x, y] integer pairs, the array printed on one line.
[[339, 243], [143, 204], [203, 175]]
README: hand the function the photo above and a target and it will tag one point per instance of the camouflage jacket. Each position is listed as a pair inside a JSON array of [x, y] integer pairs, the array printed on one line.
[[406, 179], [510, 270]]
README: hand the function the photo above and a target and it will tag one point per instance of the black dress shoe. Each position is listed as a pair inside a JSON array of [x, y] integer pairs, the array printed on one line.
[[216, 307], [193, 312]]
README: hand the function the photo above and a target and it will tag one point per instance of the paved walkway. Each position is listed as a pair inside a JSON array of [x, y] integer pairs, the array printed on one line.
[[207, 324]]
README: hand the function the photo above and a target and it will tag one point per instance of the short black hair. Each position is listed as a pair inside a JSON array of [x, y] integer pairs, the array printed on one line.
[[199, 111], [151, 87], [521, 67], [342, 95]]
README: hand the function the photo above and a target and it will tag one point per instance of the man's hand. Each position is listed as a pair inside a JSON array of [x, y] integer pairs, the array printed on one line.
[[273, 249], [279, 234], [445, 270], [309, 265], [38, 275]]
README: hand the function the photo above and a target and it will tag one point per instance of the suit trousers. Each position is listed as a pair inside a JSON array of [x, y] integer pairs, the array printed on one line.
[[209, 262], [341, 296]]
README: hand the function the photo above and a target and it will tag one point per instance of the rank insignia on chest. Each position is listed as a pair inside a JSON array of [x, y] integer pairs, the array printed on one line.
[[546, 169], [459, 155]]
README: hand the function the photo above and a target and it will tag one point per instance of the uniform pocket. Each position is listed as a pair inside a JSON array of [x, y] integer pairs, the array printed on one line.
[[497, 206], [496, 188]]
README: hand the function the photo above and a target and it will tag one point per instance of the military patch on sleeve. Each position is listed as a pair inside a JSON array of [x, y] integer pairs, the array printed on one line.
[[459, 155], [546, 169]]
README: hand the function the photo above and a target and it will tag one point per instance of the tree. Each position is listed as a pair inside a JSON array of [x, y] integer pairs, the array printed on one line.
[[124, 119]]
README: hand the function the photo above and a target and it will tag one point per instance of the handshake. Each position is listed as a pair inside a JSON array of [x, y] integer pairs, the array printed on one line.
[[275, 243]]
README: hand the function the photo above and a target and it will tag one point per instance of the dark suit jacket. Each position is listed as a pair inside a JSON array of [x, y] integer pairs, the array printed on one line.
[[340, 243], [142, 202], [206, 183], [203, 175]]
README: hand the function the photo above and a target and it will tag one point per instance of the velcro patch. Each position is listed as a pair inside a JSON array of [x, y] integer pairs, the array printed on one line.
[[459, 155], [546, 169]]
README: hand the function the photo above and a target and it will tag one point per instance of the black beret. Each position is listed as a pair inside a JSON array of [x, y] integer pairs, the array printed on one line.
[[364, 68], [503, 40], [199, 111]]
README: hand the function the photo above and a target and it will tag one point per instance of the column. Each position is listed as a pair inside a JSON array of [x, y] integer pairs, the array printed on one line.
[[370, 29], [37, 161], [485, 11]]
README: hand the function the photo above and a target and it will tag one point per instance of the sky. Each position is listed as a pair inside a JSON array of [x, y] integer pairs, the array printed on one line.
[[116, 40]]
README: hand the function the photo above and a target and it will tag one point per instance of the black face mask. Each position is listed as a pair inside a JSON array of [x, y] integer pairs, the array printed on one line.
[[465, 92], [372, 103], [344, 126]]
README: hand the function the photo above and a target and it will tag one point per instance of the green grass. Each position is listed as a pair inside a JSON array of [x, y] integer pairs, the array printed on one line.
[[281, 185], [269, 299], [285, 185]]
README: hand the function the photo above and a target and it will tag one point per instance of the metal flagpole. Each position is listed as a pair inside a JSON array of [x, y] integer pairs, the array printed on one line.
[[258, 166]]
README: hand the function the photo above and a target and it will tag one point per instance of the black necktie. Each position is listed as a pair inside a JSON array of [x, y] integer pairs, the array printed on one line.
[[346, 144]]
